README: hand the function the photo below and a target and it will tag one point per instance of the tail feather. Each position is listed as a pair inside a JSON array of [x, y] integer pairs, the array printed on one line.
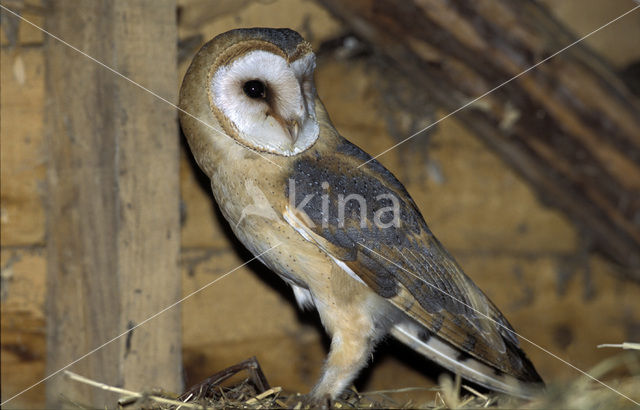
[[440, 351]]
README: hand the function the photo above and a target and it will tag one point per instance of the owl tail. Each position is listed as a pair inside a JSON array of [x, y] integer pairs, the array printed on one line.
[[451, 358]]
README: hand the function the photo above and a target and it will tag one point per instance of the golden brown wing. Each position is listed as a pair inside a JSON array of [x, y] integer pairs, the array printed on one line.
[[403, 262]]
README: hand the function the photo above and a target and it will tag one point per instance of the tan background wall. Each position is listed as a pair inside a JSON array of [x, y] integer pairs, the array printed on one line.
[[528, 258]]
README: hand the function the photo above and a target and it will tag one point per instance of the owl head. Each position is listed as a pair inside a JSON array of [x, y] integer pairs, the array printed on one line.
[[256, 86]]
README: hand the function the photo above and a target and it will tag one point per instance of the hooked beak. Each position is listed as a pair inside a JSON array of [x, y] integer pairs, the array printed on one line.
[[293, 127]]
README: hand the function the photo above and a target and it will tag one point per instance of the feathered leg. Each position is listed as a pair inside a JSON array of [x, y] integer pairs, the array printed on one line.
[[352, 341]]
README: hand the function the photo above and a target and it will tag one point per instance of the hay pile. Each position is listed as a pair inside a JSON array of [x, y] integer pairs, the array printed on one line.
[[253, 392]]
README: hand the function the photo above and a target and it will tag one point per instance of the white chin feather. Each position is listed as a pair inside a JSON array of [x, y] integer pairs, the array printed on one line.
[[291, 94]]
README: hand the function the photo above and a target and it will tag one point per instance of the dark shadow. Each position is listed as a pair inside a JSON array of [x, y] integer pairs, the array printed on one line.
[[390, 347], [203, 180]]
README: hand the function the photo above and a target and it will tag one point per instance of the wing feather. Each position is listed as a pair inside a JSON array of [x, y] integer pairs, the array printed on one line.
[[406, 263]]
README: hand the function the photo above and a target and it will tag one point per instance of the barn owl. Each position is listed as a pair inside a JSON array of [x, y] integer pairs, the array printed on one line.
[[349, 240]]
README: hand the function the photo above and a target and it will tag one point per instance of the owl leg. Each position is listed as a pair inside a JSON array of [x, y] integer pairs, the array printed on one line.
[[348, 355], [353, 335]]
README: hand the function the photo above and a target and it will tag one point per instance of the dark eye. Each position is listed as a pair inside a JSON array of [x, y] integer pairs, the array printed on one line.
[[254, 89]]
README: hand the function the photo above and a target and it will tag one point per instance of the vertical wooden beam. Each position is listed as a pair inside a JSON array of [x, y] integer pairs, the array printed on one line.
[[113, 197]]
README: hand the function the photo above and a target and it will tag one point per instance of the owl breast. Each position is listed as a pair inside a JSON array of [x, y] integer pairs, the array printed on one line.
[[252, 203]]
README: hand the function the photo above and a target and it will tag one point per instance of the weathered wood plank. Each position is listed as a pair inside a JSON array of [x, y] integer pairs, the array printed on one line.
[[21, 157], [113, 219], [569, 127]]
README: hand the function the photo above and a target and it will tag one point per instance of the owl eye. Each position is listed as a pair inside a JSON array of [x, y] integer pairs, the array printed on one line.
[[254, 89]]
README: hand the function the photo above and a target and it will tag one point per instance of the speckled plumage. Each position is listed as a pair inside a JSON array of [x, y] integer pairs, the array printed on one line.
[[366, 281]]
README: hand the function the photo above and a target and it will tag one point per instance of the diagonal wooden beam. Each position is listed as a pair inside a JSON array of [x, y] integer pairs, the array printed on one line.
[[569, 126]]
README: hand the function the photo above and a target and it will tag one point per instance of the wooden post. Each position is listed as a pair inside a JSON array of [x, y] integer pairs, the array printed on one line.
[[113, 198], [569, 127]]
